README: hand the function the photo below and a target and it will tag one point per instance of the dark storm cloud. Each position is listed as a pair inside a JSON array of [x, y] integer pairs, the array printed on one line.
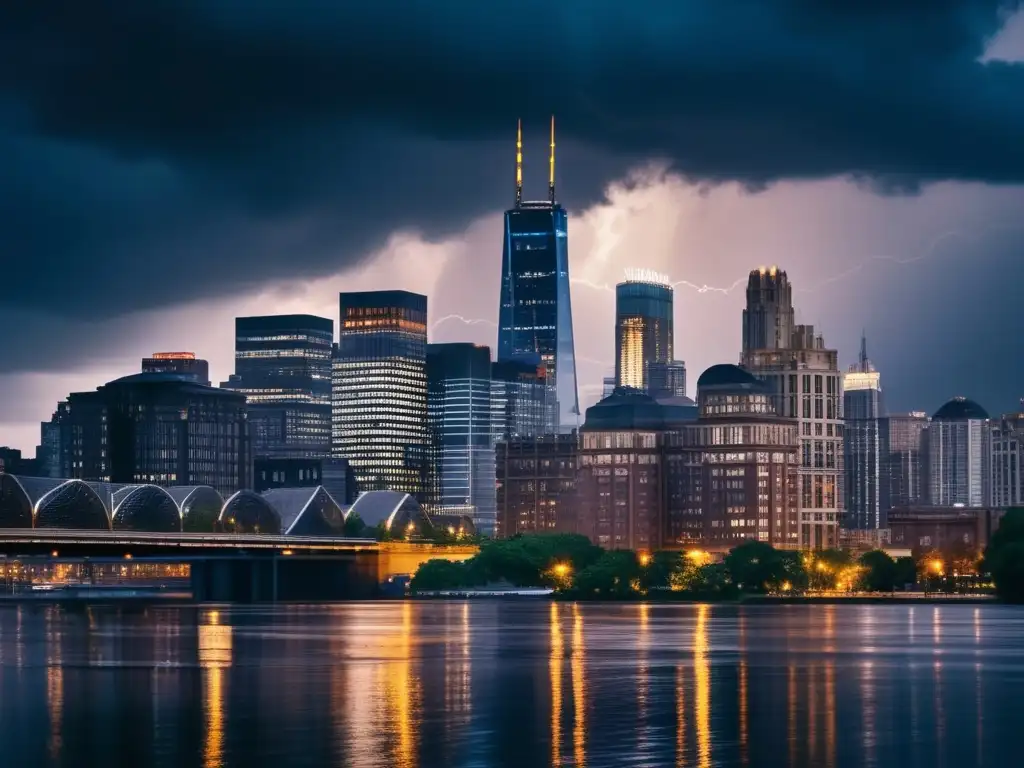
[[160, 151]]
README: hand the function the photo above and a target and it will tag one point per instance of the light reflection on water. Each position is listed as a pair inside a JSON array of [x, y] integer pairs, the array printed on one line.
[[415, 685]]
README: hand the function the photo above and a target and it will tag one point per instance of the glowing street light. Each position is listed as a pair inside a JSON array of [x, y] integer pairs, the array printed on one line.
[[645, 559], [561, 570]]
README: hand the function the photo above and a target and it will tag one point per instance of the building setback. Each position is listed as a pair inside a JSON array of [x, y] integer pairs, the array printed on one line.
[[379, 390]]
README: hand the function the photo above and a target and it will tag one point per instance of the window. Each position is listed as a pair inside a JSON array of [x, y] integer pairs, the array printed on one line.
[[817, 384]]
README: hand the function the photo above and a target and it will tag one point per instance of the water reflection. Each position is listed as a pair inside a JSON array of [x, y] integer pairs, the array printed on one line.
[[509, 685]]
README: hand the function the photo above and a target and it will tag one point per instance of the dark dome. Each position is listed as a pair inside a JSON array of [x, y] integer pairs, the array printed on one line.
[[625, 408], [726, 374], [960, 408]]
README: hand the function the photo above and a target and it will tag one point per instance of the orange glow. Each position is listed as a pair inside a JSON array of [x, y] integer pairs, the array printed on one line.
[[174, 356], [645, 559]]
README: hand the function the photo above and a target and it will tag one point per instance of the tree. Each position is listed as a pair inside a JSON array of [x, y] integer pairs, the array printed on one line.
[[615, 575], [879, 571], [905, 571], [438, 574], [712, 582], [1004, 557], [757, 567], [662, 569]]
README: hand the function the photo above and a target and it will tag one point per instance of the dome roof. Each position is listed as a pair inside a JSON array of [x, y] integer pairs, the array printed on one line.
[[960, 408], [625, 408], [728, 375]]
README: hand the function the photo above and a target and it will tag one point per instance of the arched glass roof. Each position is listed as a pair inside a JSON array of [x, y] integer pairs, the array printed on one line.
[[72, 504], [306, 511], [15, 505], [200, 507], [145, 508], [248, 512], [395, 511]]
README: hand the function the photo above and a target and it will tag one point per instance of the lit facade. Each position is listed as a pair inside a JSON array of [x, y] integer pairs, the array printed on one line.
[[523, 400], [159, 429], [905, 458], [1007, 451], [379, 390], [283, 367], [732, 476], [643, 329], [183, 363], [459, 413], [536, 484], [867, 492], [958, 455], [535, 311], [806, 386]]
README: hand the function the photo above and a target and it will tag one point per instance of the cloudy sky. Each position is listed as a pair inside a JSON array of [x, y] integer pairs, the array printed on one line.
[[169, 165]]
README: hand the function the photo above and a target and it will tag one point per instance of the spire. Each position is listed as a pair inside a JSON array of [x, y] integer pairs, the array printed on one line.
[[863, 351], [519, 163], [551, 176]]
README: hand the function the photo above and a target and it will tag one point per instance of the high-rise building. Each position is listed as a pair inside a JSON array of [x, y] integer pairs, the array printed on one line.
[[867, 493], [536, 484], [283, 367], [768, 320], [1007, 450], [55, 444], [643, 327], [183, 363], [732, 475], [379, 390], [665, 380], [459, 414], [159, 428], [805, 384], [535, 313], [904, 457], [522, 400], [958, 455]]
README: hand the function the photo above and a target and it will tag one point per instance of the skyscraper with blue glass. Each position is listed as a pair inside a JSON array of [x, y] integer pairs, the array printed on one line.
[[535, 316]]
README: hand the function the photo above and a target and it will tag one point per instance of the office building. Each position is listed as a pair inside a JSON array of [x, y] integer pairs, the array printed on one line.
[[536, 484], [283, 367], [958, 455], [665, 380], [731, 476], [161, 429], [459, 414], [379, 390], [867, 492], [805, 384], [522, 399], [1007, 447], [643, 327], [904, 451], [183, 363], [13, 463], [620, 487], [334, 475], [535, 312]]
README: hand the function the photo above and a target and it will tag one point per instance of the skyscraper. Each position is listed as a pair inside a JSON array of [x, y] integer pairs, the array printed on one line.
[[643, 327], [904, 448], [184, 363], [1007, 451], [522, 400], [283, 367], [461, 469], [867, 494], [379, 390], [958, 455], [666, 380], [535, 313], [805, 385]]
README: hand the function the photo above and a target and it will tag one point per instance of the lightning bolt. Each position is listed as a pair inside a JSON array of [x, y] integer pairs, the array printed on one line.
[[462, 319], [685, 283]]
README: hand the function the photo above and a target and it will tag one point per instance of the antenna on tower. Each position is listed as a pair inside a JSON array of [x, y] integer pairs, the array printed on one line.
[[551, 176], [519, 163], [863, 351]]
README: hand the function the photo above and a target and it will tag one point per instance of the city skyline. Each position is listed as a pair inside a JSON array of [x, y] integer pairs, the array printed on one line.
[[880, 235]]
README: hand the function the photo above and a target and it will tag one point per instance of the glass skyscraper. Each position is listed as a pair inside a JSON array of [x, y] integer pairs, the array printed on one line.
[[379, 390], [283, 367], [535, 314], [643, 328], [866, 486], [522, 400], [461, 470]]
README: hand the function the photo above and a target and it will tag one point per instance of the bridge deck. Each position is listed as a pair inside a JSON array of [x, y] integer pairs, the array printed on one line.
[[181, 541]]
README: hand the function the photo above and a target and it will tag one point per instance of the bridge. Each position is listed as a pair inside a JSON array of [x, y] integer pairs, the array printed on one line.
[[239, 567]]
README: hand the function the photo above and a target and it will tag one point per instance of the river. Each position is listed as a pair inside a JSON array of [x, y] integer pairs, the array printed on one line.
[[517, 684]]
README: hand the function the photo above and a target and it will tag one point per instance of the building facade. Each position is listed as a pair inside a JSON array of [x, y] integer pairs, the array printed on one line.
[[536, 484], [523, 402], [379, 390], [958, 455], [162, 429], [183, 363], [283, 367], [806, 386], [905, 457], [535, 312], [643, 328], [732, 475], [666, 379], [459, 411], [867, 492], [1006, 448]]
